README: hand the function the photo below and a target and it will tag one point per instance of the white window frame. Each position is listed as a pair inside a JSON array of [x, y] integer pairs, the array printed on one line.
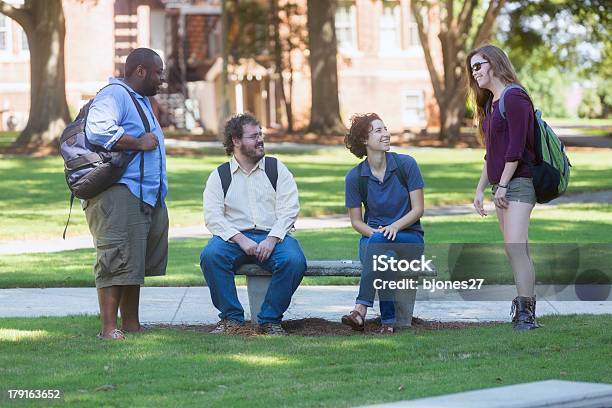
[[22, 39], [8, 31], [419, 119], [350, 25], [413, 32], [385, 46]]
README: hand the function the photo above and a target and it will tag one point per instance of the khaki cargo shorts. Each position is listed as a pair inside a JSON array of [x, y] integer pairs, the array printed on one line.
[[129, 244]]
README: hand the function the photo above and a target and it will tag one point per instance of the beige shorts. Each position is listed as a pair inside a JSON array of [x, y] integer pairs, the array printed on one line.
[[129, 244], [520, 189]]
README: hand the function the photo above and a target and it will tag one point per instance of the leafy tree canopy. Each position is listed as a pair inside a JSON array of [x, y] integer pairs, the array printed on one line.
[[573, 36]]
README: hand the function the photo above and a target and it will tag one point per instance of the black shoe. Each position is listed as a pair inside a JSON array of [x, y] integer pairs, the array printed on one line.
[[226, 325], [523, 313], [272, 329]]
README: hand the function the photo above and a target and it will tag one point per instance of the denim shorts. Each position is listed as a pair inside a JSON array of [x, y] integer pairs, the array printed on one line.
[[520, 189]]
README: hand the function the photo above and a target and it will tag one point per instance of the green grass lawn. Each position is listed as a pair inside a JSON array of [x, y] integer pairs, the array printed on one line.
[[189, 368], [569, 223], [34, 201], [7, 138]]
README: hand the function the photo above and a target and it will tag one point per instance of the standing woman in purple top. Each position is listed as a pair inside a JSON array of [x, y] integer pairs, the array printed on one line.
[[509, 146]]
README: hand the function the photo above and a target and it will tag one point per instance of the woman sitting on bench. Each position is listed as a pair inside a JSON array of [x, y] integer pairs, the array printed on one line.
[[391, 188]]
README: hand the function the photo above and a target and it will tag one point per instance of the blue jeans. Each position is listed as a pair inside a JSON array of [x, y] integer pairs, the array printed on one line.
[[366, 284], [219, 260]]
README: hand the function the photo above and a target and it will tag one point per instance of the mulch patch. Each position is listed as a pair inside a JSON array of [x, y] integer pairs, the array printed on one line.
[[33, 151], [407, 139], [310, 327]]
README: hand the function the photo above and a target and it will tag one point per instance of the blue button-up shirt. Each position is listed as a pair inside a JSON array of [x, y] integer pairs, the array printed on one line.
[[113, 114], [389, 200]]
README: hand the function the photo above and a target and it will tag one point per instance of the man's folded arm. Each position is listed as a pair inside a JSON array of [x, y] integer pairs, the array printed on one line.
[[102, 127]]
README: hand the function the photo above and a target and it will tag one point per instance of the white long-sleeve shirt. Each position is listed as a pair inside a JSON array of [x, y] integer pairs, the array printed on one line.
[[251, 202]]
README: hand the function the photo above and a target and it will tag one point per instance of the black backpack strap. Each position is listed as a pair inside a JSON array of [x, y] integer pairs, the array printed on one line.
[[141, 113], [363, 191], [69, 214], [363, 182], [147, 127], [225, 174], [271, 165], [401, 174]]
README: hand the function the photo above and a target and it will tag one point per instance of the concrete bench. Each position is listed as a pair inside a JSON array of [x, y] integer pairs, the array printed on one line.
[[258, 281]]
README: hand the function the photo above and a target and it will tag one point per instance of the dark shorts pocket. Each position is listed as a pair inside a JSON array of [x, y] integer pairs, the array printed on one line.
[[111, 259]]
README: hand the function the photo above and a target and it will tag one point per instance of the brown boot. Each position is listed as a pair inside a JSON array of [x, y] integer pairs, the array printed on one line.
[[523, 313]]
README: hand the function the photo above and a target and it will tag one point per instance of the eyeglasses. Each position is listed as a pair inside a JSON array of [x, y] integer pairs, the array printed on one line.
[[257, 136], [477, 65]]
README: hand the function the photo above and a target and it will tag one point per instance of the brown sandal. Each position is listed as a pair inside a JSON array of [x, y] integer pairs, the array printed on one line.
[[387, 329], [351, 320]]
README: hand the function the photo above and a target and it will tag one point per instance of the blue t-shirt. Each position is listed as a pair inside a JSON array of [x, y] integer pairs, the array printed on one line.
[[388, 201]]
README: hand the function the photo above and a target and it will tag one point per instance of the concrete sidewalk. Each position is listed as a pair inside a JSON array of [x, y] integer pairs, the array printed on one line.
[[192, 305], [86, 241], [323, 222]]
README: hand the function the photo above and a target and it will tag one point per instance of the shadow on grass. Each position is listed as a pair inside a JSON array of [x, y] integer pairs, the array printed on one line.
[[185, 368]]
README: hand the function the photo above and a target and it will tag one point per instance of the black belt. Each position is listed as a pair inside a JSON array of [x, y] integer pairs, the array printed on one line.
[[257, 231]]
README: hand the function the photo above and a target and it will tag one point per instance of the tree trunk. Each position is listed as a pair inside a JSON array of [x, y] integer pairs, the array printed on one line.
[[224, 110], [44, 25], [289, 102], [278, 65], [448, 82], [325, 111], [451, 117]]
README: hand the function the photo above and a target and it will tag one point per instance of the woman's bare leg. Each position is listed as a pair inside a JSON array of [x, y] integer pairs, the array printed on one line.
[[515, 229], [500, 219]]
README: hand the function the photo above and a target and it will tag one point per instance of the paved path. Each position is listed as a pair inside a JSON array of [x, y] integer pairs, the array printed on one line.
[[283, 146], [571, 136], [325, 222], [85, 241], [192, 305], [540, 394]]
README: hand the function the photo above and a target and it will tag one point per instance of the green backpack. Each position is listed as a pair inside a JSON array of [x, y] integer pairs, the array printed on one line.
[[551, 169]]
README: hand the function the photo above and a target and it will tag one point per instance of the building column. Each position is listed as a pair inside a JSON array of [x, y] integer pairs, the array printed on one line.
[[143, 14]]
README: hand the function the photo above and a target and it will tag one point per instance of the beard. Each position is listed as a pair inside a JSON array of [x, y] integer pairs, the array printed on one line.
[[149, 89], [252, 152]]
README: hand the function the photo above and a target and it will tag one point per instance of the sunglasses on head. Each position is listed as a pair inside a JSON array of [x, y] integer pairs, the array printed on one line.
[[477, 65]]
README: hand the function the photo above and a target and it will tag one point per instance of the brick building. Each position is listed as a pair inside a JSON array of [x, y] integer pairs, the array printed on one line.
[[379, 57]]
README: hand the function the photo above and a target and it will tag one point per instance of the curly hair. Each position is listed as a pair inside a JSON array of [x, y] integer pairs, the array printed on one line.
[[355, 140], [234, 129]]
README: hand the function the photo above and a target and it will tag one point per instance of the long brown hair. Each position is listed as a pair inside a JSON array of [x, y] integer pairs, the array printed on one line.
[[501, 67]]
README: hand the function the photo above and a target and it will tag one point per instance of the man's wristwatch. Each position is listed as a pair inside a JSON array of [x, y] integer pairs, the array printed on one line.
[[502, 186]]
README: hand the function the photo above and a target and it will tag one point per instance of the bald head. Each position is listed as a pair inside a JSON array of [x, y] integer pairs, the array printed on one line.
[[140, 56], [144, 71]]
